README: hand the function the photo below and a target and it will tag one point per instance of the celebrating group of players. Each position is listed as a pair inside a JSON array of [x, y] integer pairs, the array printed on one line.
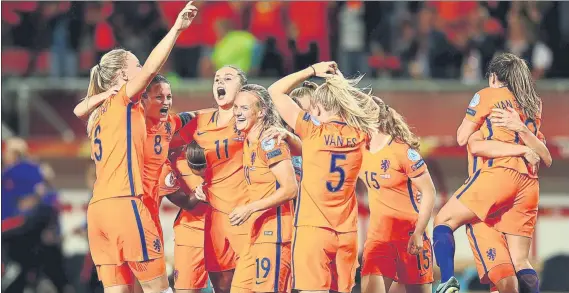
[[266, 182]]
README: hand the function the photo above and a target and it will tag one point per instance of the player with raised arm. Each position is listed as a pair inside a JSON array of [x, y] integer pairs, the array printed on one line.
[[333, 135]]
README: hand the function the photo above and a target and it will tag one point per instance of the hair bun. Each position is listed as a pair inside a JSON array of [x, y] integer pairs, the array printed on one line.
[[309, 84]]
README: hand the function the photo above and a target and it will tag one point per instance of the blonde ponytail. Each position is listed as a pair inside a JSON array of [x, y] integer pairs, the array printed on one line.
[[340, 96], [392, 123], [103, 76]]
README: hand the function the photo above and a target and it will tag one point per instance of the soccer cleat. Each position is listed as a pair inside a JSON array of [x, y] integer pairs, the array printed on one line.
[[450, 286]]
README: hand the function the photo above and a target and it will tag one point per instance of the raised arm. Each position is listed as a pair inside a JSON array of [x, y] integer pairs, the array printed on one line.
[[158, 56], [279, 90], [89, 104], [496, 149]]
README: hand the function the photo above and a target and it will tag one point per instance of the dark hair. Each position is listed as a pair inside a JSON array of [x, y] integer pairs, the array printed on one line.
[[264, 103], [307, 88], [240, 73], [195, 156], [514, 73], [156, 80]]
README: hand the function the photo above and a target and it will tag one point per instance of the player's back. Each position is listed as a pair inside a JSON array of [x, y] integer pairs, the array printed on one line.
[[223, 147], [331, 161], [117, 143], [392, 197], [480, 109]]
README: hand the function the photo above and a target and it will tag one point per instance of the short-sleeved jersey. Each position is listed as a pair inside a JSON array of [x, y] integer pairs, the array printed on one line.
[[331, 161], [392, 197], [186, 219], [223, 147], [117, 147], [156, 150], [479, 110], [275, 224]]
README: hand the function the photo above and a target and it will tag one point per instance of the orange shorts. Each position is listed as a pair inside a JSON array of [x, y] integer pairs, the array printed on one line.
[[323, 259], [189, 268], [491, 253], [504, 199], [121, 229], [124, 274], [391, 259], [265, 267], [222, 242]]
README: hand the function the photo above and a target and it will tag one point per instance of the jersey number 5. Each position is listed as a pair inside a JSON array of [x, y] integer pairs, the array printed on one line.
[[97, 142], [334, 168]]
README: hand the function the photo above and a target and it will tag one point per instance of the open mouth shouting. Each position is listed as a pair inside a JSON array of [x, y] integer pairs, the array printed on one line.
[[164, 111], [220, 93]]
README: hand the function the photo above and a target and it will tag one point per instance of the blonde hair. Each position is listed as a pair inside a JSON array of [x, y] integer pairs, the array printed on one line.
[[340, 96], [104, 76], [306, 89], [392, 123], [265, 104], [515, 74]]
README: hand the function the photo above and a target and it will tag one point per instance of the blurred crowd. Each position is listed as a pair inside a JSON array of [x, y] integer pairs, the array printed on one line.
[[421, 39]]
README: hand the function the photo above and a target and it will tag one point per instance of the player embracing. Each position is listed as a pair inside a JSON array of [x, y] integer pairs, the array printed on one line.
[[504, 192], [333, 135]]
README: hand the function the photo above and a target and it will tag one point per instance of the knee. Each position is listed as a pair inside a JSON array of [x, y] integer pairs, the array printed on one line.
[[508, 285]]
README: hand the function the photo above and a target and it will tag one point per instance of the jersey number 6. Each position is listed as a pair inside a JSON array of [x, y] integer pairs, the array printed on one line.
[[334, 168], [98, 155]]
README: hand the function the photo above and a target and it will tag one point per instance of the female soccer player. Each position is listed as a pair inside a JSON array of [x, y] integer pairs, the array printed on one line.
[[504, 192], [181, 175], [397, 247], [215, 131], [333, 136], [271, 186], [124, 243]]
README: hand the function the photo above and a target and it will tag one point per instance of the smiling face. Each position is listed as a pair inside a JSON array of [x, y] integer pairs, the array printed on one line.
[[158, 101], [246, 111], [226, 84]]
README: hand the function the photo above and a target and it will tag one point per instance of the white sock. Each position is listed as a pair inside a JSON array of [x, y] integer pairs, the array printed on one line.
[[169, 290]]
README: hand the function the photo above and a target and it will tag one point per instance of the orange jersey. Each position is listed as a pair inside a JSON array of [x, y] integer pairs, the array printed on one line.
[[117, 146], [392, 197], [331, 161], [273, 225], [223, 147], [187, 221], [479, 110], [156, 150]]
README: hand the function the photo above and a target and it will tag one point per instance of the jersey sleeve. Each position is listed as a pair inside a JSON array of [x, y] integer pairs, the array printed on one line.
[[187, 132], [168, 182], [410, 161], [175, 121], [121, 95], [305, 124], [478, 109], [273, 153]]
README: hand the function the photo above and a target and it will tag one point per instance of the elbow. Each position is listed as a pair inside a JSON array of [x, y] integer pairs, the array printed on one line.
[[548, 161], [292, 191], [461, 139]]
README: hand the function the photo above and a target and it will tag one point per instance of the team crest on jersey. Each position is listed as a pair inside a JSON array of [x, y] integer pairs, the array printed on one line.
[[475, 101], [491, 254], [170, 179], [413, 155], [169, 130], [385, 165], [268, 145], [253, 157], [157, 245]]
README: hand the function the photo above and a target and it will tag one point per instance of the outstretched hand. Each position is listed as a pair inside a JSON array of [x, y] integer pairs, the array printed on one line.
[[186, 16]]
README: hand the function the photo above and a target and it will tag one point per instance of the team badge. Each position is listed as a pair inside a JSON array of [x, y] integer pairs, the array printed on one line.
[[253, 156], [475, 101], [491, 254], [170, 179], [268, 145], [385, 165], [413, 155]]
